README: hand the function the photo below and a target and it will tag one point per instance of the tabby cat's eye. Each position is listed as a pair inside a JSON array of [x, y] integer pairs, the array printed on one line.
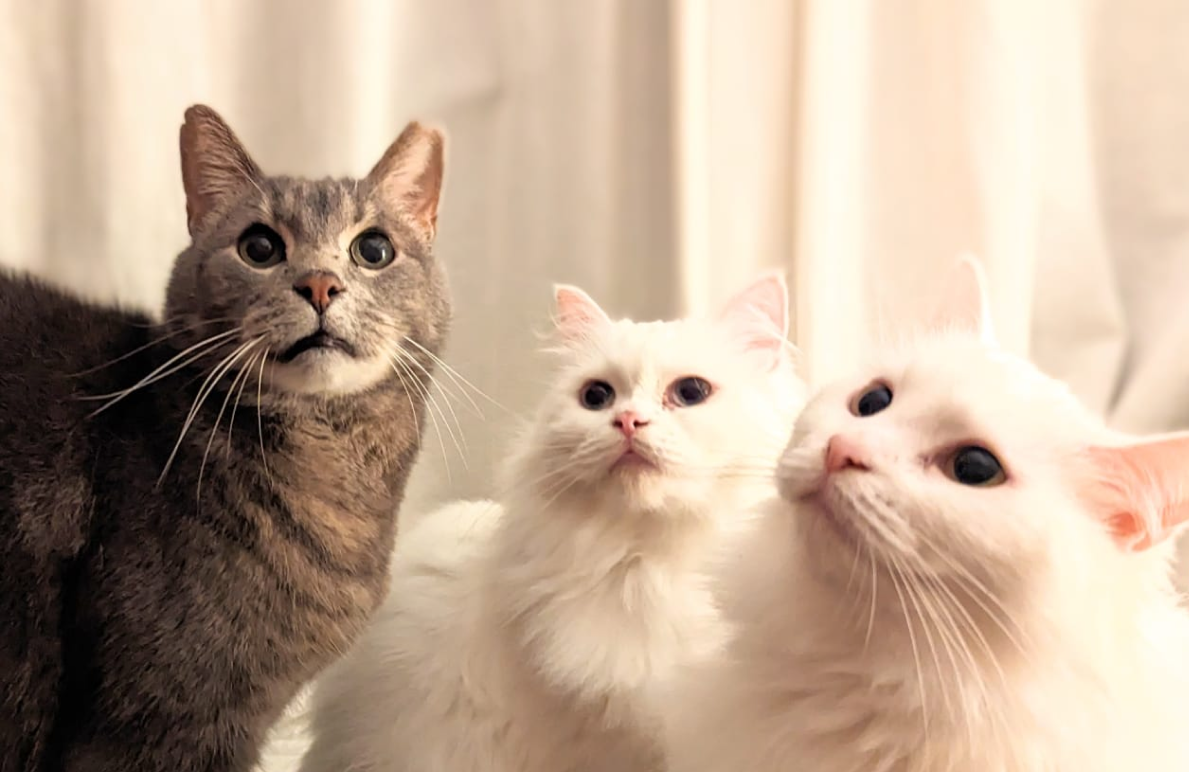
[[372, 249], [261, 247], [976, 466], [596, 395], [874, 400], [689, 391]]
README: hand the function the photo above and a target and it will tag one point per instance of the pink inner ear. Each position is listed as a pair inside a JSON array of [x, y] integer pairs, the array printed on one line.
[[1139, 490], [760, 314], [963, 304], [577, 314]]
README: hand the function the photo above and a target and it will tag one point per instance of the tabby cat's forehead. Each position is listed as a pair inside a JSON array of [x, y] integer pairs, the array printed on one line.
[[315, 210]]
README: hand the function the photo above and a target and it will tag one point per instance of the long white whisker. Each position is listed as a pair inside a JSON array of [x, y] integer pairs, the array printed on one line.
[[433, 419], [412, 360], [260, 416], [203, 392], [916, 656], [156, 341], [456, 376], [409, 396], [244, 371], [911, 591], [219, 417], [163, 371]]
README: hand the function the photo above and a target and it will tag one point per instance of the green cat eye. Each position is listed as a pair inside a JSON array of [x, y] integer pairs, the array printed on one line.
[[260, 246], [373, 250]]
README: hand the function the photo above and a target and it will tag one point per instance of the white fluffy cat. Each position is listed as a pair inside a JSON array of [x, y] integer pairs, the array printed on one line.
[[965, 572], [528, 637]]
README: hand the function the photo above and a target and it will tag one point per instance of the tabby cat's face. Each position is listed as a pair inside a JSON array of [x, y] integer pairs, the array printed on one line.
[[321, 287]]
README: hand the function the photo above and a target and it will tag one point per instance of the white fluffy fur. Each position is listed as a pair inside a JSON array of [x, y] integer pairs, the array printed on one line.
[[893, 620], [528, 636]]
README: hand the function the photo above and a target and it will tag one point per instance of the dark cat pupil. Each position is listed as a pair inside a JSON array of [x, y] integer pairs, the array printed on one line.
[[874, 401], [259, 248], [373, 250], [690, 391], [597, 395], [976, 466]]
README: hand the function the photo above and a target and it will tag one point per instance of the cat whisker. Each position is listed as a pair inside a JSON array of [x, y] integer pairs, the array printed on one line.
[[204, 391], [156, 341], [913, 594], [219, 417], [413, 361], [433, 419], [166, 322], [947, 600], [245, 370], [408, 395], [970, 584], [894, 574], [241, 377], [260, 415], [204, 347], [459, 379], [874, 596]]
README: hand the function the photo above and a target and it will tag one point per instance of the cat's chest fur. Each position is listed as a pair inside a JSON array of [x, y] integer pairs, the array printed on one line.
[[283, 547], [209, 596], [603, 610]]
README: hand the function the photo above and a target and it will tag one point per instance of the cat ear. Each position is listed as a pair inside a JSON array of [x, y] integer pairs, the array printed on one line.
[[760, 315], [409, 175], [215, 166], [577, 314], [963, 304], [1140, 490]]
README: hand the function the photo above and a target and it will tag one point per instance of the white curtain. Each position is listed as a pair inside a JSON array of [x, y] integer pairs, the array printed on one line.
[[657, 153]]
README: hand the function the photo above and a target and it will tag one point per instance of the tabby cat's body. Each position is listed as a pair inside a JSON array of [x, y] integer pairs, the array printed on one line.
[[151, 624]]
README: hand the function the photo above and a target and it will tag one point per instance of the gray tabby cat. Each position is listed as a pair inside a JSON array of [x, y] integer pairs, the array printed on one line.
[[197, 515]]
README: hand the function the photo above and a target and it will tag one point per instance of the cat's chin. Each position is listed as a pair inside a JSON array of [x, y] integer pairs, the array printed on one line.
[[326, 372]]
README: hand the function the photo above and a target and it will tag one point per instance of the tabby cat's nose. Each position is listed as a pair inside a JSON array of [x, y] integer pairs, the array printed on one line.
[[319, 288]]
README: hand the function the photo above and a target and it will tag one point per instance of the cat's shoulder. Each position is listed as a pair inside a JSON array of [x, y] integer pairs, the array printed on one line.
[[44, 322]]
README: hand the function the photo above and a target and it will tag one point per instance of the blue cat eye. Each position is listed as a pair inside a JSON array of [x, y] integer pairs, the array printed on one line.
[[596, 395], [689, 391], [260, 246], [875, 400], [976, 466]]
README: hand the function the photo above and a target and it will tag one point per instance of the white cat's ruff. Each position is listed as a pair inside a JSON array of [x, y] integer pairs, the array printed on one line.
[[1080, 663], [531, 639]]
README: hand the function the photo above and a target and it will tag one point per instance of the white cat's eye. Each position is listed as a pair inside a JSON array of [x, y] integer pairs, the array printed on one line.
[[260, 246], [874, 399], [975, 466], [372, 249], [596, 395], [689, 391]]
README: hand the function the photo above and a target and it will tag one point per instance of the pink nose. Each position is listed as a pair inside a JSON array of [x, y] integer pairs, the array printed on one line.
[[845, 453], [629, 422]]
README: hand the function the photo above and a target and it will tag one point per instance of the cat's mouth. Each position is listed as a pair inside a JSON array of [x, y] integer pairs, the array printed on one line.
[[320, 340], [632, 458]]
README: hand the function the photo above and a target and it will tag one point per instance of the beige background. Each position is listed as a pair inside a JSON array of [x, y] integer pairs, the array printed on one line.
[[656, 153]]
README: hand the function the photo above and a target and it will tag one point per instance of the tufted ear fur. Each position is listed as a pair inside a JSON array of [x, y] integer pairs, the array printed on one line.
[[216, 169], [1140, 490], [409, 175], [963, 304], [759, 315]]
